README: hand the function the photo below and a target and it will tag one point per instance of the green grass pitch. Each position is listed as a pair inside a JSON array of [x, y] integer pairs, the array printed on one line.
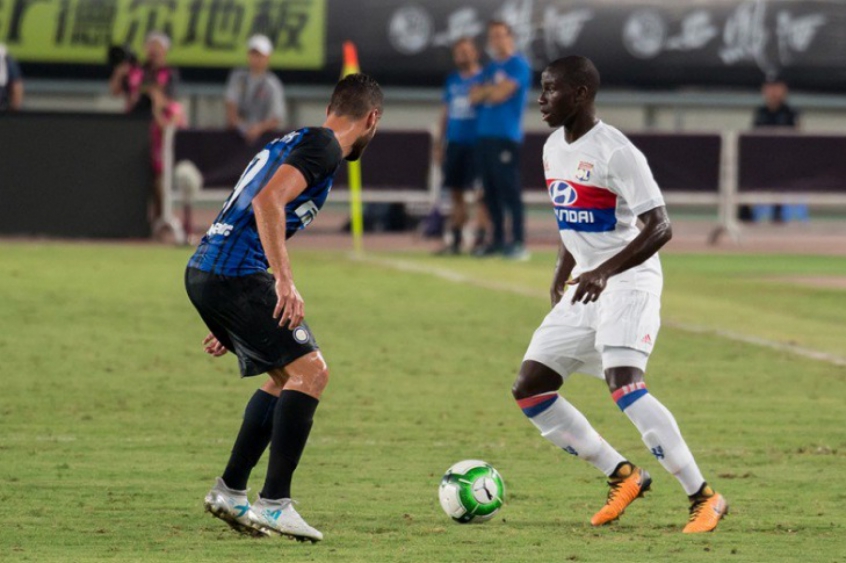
[[113, 423]]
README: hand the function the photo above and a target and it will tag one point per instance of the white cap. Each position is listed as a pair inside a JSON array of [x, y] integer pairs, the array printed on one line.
[[160, 37], [261, 44]]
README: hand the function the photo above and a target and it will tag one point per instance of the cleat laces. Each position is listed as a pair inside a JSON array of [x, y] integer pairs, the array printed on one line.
[[614, 490], [696, 508]]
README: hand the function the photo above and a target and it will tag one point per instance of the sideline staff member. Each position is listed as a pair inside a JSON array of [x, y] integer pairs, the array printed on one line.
[[501, 100], [458, 131]]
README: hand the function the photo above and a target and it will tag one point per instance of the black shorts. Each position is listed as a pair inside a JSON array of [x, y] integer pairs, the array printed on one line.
[[239, 313], [460, 168]]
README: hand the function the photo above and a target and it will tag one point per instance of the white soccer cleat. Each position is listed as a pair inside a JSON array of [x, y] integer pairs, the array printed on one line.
[[279, 517], [232, 507]]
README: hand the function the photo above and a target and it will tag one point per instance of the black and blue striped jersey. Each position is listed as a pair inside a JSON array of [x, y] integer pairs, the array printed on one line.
[[232, 247]]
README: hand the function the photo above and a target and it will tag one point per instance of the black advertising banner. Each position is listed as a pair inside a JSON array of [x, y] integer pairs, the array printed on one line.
[[95, 183], [635, 43], [658, 44]]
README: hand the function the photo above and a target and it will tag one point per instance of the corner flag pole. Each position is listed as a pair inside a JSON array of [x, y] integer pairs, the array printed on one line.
[[354, 168]]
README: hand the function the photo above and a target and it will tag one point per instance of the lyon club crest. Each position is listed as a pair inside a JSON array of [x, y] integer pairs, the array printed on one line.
[[584, 171]]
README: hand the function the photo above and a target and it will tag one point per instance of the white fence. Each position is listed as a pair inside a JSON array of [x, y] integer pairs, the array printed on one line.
[[814, 173]]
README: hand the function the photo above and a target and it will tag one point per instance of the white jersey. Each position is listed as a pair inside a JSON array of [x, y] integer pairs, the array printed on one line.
[[598, 185]]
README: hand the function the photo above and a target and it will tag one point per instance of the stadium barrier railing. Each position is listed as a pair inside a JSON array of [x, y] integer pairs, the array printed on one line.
[[220, 157], [724, 170]]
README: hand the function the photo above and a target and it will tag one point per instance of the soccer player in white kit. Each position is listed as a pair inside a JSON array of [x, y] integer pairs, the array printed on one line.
[[606, 294]]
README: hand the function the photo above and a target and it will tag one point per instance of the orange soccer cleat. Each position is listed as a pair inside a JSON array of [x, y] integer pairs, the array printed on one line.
[[627, 484], [707, 507]]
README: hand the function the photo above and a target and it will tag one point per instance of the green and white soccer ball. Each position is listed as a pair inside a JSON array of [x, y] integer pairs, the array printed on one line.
[[471, 491]]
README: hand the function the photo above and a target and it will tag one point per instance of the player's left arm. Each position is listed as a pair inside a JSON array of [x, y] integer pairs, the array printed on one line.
[[269, 208], [657, 231]]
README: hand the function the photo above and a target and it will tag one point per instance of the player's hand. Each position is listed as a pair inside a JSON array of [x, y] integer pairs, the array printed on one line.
[[590, 285], [213, 347], [290, 307]]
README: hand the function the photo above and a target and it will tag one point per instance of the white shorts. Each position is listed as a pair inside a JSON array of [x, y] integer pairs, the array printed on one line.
[[618, 330]]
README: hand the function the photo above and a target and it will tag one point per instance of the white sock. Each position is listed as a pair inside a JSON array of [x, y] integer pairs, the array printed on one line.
[[562, 424], [660, 434]]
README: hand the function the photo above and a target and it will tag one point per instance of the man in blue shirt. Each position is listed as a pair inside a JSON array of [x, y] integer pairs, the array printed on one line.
[[259, 315], [502, 99], [456, 148]]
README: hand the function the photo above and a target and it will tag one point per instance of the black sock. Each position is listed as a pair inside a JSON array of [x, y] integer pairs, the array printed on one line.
[[456, 237], [252, 440], [292, 421], [480, 237]]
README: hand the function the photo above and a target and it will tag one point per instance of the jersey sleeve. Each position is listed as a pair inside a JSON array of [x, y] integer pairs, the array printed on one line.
[[277, 100], [314, 157], [519, 72], [231, 94], [629, 177]]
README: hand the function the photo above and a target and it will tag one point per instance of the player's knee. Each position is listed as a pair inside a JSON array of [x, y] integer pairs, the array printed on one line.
[[321, 378], [621, 376], [533, 379]]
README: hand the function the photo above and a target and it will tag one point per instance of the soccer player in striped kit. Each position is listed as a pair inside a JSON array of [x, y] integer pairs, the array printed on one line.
[[605, 295], [260, 316]]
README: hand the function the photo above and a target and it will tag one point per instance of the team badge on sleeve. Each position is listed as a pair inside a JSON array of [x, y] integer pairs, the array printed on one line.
[[582, 208]]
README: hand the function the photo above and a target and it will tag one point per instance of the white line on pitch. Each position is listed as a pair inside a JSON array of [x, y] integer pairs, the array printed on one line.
[[456, 277]]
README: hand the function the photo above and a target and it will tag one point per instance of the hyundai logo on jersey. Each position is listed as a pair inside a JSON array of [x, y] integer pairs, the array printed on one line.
[[562, 193], [582, 208]]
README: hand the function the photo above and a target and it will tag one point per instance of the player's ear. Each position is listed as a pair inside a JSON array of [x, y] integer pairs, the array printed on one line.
[[372, 119], [328, 110]]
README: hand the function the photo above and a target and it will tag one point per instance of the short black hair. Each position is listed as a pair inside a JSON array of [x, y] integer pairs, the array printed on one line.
[[576, 71], [355, 96], [503, 23]]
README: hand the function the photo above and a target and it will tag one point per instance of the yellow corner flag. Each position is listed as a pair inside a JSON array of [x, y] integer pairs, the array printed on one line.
[[354, 168]]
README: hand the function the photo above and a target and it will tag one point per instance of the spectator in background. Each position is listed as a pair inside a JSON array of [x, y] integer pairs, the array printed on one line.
[[775, 113], [456, 146], [502, 100], [11, 82], [255, 98], [134, 81]]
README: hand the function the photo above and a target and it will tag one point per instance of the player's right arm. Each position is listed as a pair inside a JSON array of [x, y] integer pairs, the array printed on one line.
[[269, 208], [563, 268]]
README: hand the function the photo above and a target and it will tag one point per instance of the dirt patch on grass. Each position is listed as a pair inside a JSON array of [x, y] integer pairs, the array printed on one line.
[[827, 282]]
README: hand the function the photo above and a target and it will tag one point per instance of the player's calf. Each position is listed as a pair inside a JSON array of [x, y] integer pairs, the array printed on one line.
[[559, 421], [662, 437]]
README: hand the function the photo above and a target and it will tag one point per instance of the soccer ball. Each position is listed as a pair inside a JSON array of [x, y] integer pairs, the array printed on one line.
[[471, 491]]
